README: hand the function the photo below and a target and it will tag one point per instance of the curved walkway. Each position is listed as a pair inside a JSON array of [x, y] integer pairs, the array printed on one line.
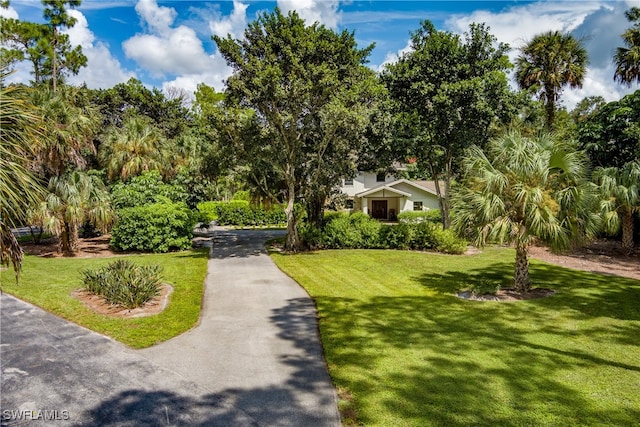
[[254, 359]]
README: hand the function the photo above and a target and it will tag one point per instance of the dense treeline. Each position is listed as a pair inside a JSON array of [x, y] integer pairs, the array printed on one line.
[[301, 112]]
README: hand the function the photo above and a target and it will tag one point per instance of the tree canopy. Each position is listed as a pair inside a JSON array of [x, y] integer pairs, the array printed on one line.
[[448, 91], [311, 94]]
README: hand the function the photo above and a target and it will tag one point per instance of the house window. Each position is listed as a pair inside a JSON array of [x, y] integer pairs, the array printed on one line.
[[417, 206], [348, 204], [348, 182], [381, 177]]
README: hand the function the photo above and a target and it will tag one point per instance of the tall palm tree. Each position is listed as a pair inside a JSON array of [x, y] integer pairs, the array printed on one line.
[[132, 149], [20, 135], [73, 199], [620, 191], [627, 59], [549, 62], [523, 190], [70, 129]]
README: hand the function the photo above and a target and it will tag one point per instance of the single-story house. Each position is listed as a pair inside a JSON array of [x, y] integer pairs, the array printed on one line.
[[383, 196]]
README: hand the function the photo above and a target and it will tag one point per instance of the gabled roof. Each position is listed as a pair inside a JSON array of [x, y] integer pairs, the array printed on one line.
[[383, 188], [419, 185]]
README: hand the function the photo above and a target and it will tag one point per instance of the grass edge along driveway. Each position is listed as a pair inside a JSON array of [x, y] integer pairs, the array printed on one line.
[[48, 282], [406, 351]]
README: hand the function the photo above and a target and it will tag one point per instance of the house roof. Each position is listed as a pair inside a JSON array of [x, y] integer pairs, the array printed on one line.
[[428, 186], [383, 188]]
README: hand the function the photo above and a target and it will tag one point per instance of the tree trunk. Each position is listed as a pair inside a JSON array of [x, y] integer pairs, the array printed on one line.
[[293, 241], [74, 241], [550, 106], [522, 283], [55, 46], [627, 233], [315, 210]]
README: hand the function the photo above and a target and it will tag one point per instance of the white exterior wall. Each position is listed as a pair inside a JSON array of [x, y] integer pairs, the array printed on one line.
[[362, 182]]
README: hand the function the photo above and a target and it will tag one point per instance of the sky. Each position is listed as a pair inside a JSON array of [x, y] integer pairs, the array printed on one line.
[[168, 44]]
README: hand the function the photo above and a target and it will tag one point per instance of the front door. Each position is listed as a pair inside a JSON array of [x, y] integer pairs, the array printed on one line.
[[379, 209]]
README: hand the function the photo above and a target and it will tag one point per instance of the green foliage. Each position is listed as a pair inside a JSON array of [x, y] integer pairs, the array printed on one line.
[[241, 195], [415, 217], [241, 213], [124, 283], [484, 287], [157, 227], [447, 242], [209, 210], [445, 72], [611, 135], [627, 59], [359, 231], [549, 62], [145, 189], [396, 236], [315, 100]]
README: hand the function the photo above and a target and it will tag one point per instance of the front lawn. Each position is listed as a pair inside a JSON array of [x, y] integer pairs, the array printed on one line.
[[48, 282], [409, 352]]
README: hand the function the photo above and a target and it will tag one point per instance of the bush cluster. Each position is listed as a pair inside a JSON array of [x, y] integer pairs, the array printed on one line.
[[415, 217], [157, 227], [237, 213], [358, 231], [124, 283], [208, 211]]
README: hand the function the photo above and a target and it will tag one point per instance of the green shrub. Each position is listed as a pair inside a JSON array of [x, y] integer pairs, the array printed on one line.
[[124, 283], [446, 241], [158, 227], [241, 195], [311, 236], [352, 231], [485, 287], [208, 211], [417, 217], [145, 189], [241, 213], [396, 236], [424, 235]]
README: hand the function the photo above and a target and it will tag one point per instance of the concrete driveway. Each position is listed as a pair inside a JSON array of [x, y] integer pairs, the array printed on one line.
[[254, 359]]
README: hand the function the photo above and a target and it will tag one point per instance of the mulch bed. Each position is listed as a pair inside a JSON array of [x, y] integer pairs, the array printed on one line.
[[101, 306]]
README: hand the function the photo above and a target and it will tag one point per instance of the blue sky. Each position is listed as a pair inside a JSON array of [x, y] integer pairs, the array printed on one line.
[[168, 43]]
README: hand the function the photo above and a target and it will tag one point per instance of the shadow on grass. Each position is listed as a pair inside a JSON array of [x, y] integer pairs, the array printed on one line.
[[462, 363]]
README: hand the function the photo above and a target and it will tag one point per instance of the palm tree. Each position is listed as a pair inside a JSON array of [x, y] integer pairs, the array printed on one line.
[[523, 190], [627, 59], [73, 199], [70, 129], [620, 192], [20, 135], [132, 149], [549, 62]]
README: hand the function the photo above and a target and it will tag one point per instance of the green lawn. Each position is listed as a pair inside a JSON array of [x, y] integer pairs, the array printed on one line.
[[48, 282], [411, 353]]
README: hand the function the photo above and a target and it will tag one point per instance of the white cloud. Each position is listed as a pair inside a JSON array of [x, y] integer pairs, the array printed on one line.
[[234, 24], [102, 70], [392, 57], [323, 11], [9, 12], [598, 24], [177, 51]]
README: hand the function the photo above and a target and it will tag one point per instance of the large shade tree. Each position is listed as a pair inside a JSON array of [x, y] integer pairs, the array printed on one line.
[[20, 136], [525, 190], [55, 12], [448, 91], [627, 59], [303, 83], [548, 63]]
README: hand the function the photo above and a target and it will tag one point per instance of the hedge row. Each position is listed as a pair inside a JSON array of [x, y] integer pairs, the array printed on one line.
[[237, 214], [359, 231], [156, 227], [209, 210]]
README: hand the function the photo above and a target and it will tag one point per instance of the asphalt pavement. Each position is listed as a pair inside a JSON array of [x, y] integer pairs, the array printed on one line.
[[254, 359]]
